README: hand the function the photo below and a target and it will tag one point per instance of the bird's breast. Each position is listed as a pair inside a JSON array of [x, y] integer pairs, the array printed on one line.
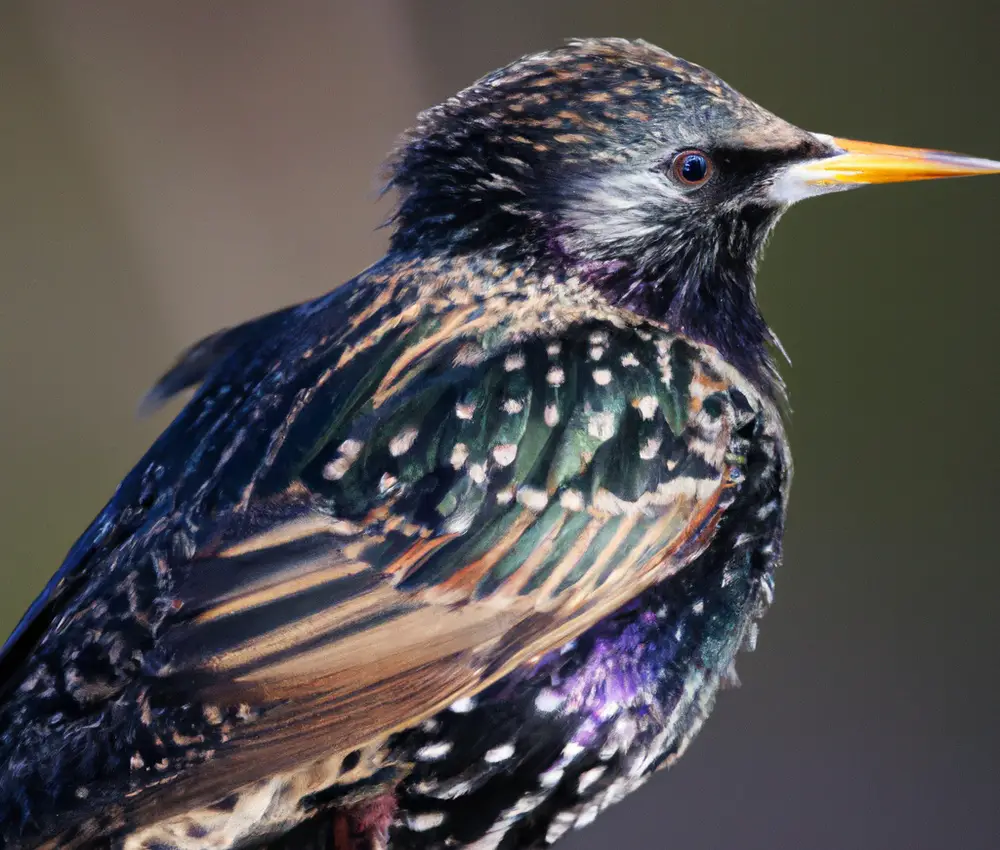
[[584, 726]]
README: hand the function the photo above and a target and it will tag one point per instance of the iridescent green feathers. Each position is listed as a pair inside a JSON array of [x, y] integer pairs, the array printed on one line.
[[385, 500], [452, 449]]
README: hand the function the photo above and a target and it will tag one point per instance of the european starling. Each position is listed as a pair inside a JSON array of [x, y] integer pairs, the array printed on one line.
[[458, 554]]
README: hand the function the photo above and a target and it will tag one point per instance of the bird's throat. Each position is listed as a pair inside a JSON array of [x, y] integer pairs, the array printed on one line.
[[715, 305]]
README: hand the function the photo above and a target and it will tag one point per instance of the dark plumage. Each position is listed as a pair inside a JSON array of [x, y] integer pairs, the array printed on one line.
[[458, 554], [558, 160]]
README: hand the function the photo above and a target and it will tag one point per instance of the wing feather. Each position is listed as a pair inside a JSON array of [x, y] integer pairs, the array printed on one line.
[[420, 508], [500, 534]]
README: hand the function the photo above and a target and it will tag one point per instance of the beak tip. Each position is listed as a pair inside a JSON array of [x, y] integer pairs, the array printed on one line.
[[970, 164]]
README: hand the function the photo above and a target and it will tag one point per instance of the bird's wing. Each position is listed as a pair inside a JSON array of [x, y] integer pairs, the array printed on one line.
[[196, 362], [480, 514], [190, 369], [360, 518]]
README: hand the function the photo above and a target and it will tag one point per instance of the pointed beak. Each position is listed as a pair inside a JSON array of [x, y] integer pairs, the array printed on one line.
[[852, 164]]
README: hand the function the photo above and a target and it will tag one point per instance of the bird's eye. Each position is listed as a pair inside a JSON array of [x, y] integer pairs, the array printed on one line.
[[692, 168]]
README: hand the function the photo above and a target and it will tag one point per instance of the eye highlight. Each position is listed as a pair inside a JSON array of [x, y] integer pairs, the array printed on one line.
[[691, 168]]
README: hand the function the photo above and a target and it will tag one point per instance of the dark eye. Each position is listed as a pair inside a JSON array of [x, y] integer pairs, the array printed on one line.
[[692, 168]]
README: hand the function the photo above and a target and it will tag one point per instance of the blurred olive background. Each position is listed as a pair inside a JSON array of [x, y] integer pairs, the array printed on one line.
[[170, 167]]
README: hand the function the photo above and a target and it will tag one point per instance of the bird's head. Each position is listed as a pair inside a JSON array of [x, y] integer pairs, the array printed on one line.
[[638, 171]]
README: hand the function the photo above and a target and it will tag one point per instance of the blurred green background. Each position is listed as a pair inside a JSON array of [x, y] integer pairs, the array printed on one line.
[[170, 167]]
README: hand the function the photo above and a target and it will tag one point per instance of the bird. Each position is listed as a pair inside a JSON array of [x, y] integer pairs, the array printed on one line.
[[460, 553]]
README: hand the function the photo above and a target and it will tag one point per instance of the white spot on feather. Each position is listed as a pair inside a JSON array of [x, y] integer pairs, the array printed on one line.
[[548, 701], [647, 406], [434, 752], [513, 362], [695, 488], [551, 777], [469, 355], [602, 377], [589, 777], [529, 802], [463, 705], [505, 454], [559, 827], [425, 821], [459, 455], [648, 450], [767, 509], [348, 452], [351, 448], [403, 441], [451, 791], [336, 469], [532, 498], [601, 426], [555, 376], [572, 500], [499, 754], [767, 591]]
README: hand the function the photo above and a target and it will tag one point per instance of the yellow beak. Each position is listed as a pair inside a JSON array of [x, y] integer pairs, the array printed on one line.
[[855, 164], [866, 162]]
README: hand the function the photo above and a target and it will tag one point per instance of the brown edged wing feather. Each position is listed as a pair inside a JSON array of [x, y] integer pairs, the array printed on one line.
[[521, 499], [376, 504]]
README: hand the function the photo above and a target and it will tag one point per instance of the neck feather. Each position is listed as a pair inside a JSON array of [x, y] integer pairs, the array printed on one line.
[[708, 294]]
